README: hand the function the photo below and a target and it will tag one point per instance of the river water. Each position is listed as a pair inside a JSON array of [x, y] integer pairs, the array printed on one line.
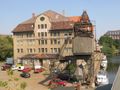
[[113, 64]]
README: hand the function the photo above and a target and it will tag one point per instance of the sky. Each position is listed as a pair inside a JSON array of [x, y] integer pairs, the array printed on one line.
[[105, 14]]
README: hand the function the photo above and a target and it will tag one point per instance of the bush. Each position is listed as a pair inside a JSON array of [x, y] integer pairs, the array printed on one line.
[[23, 85]]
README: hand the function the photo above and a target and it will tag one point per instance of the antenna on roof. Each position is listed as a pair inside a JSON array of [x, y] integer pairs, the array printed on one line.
[[63, 12]]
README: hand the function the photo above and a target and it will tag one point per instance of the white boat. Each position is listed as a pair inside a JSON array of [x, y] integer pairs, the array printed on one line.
[[104, 62], [102, 78]]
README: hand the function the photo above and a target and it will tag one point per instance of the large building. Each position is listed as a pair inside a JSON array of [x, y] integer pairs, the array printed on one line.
[[114, 34], [44, 36]]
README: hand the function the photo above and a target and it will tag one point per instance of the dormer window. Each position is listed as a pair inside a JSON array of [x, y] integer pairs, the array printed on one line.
[[42, 19]]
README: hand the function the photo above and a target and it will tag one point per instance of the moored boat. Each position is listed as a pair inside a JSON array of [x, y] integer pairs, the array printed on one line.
[[104, 63], [102, 78]]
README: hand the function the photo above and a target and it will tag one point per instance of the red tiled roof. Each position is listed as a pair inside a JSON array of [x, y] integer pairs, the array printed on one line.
[[40, 56], [55, 17], [57, 20], [62, 25], [24, 28], [30, 21], [75, 18]]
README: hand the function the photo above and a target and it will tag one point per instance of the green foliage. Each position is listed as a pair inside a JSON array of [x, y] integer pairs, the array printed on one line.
[[117, 44], [106, 40], [3, 84], [10, 72], [71, 68], [23, 85], [110, 46], [16, 79], [12, 83], [6, 47], [107, 50]]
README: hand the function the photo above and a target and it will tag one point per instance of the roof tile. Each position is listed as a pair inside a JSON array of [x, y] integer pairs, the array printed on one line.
[[62, 25], [24, 28], [75, 18]]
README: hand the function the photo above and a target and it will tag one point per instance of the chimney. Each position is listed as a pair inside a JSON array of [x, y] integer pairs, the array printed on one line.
[[63, 12], [33, 15]]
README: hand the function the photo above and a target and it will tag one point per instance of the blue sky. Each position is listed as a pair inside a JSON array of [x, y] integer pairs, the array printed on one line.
[[106, 13]]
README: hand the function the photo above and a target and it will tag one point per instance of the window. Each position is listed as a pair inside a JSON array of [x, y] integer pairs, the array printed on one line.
[[65, 34], [38, 26], [29, 35], [42, 50], [45, 33], [46, 50], [51, 50], [45, 26], [42, 26], [45, 41], [39, 50], [42, 19], [65, 41], [38, 34], [39, 42], [70, 41], [42, 41], [42, 34], [58, 50], [34, 50], [55, 50], [58, 41], [55, 34], [18, 50], [70, 33], [55, 41], [30, 50]]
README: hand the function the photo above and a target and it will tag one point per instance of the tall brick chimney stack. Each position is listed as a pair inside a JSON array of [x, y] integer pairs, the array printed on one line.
[[33, 15]]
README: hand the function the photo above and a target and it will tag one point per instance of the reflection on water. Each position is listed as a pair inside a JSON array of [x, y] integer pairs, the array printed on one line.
[[113, 64], [115, 59], [112, 67], [111, 77]]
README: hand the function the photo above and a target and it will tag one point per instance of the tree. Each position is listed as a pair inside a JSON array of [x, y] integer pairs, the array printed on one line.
[[6, 47], [71, 68], [110, 46], [106, 40], [117, 45]]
